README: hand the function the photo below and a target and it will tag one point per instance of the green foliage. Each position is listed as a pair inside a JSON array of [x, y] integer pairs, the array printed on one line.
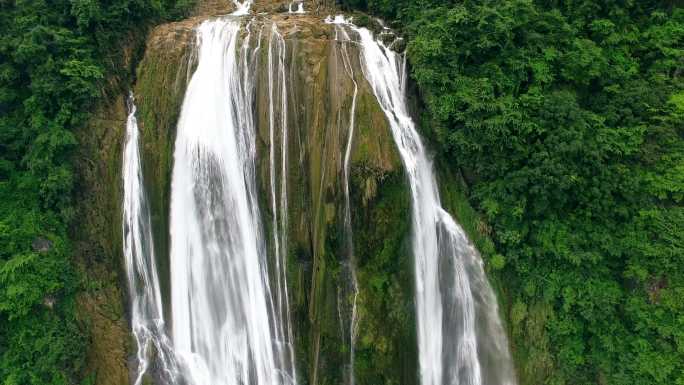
[[385, 349], [54, 58], [567, 120]]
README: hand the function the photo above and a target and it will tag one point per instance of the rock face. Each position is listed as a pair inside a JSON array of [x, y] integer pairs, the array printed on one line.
[[97, 243], [319, 101], [41, 245]]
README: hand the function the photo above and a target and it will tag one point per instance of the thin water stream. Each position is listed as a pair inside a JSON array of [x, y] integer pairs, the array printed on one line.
[[147, 315]]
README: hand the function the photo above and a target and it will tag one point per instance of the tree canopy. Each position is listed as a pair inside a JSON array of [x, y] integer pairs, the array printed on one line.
[[55, 58]]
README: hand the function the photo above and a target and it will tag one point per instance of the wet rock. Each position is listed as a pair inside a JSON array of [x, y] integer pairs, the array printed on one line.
[[41, 245], [399, 45], [49, 302], [387, 38]]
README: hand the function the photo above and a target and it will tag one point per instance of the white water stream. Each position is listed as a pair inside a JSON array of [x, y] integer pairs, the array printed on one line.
[[225, 331], [300, 7], [460, 337], [147, 315], [242, 8], [277, 113]]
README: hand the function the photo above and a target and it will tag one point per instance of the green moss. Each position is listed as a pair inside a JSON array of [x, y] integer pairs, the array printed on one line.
[[386, 350], [374, 144], [97, 242], [533, 351]]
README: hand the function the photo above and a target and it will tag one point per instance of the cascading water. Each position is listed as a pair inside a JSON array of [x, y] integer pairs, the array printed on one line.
[[277, 89], [300, 7], [460, 337], [225, 330], [241, 8], [147, 316]]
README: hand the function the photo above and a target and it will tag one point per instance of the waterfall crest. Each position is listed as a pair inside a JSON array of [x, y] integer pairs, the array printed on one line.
[[460, 336], [147, 315], [242, 8]]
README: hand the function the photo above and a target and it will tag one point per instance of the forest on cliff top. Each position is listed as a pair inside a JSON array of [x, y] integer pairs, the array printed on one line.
[[565, 119]]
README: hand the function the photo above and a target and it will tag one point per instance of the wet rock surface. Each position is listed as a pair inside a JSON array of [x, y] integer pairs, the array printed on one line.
[[41, 245]]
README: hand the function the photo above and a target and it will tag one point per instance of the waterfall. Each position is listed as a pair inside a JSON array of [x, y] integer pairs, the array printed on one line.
[[147, 315], [278, 117], [300, 7], [224, 327], [460, 336], [242, 8]]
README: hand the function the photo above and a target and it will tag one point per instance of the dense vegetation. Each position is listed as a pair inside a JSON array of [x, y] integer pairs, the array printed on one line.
[[55, 60], [566, 119]]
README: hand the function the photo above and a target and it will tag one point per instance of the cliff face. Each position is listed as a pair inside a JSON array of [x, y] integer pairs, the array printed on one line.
[[319, 100], [318, 117], [97, 236]]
